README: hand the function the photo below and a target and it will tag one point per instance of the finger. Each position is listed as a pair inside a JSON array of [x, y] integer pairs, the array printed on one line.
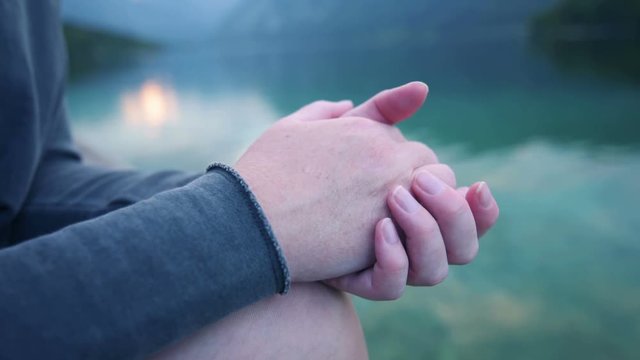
[[424, 244], [393, 105], [442, 171], [322, 109], [387, 278], [453, 215], [483, 206], [463, 191]]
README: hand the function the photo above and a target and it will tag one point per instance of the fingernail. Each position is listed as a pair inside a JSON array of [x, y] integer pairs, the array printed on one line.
[[405, 200], [484, 195], [389, 232], [425, 86], [429, 183]]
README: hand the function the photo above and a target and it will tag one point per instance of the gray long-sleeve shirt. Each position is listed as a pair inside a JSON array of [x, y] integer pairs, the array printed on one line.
[[108, 264]]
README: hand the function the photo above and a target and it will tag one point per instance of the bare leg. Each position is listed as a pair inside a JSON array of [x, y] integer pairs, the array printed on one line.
[[311, 322]]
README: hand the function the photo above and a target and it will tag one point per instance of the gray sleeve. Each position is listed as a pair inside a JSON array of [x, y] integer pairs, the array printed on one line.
[[125, 284]]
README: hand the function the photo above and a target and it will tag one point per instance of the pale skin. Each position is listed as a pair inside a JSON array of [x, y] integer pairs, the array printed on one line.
[[442, 227], [353, 168]]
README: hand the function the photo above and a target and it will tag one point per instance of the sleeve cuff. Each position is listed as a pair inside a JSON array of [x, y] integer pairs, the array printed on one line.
[[279, 265]]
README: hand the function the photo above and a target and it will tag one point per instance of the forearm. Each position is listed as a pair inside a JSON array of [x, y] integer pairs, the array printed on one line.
[[65, 191], [125, 284]]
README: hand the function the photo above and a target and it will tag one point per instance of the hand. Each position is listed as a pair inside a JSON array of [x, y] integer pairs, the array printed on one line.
[[322, 185], [441, 233], [430, 244]]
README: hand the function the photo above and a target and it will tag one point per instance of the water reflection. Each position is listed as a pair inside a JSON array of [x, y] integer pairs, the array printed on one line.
[[153, 105], [154, 123], [502, 96]]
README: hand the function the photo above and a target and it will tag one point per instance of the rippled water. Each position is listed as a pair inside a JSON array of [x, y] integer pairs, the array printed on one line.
[[559, 277]]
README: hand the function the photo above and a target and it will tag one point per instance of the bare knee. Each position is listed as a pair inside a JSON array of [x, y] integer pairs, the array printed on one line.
[[312, 322]]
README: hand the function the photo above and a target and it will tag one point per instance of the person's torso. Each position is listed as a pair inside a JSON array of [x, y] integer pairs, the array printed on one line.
[[32, 114]]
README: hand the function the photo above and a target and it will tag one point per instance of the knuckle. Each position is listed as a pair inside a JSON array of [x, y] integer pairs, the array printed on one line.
[[447, 172], [439, 277], [418, 147], [398, 269], [394, 293], [422, 152], [456, 207], [430, 279], [465, 257], [396, 133], [431, 156], [427, 228]]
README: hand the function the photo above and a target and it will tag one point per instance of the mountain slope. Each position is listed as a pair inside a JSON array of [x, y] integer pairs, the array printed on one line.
[[91, 49], [303, 18], [165, 21]]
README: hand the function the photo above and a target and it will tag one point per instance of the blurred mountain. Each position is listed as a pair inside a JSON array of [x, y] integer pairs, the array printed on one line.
[[590, 20], [158, 20], [193, 20], [379, 19], [592, 36], [91, 49]]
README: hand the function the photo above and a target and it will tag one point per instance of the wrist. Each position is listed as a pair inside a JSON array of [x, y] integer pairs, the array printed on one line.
[[261, 220]]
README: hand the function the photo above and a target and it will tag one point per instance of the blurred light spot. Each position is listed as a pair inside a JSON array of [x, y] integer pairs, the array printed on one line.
[[153, 105]]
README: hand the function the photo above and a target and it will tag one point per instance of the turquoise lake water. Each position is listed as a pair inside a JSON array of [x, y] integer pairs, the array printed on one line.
[[558, 277]]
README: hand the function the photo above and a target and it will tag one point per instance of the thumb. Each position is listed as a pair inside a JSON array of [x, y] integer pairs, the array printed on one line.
[[393, 105], [322, 109]]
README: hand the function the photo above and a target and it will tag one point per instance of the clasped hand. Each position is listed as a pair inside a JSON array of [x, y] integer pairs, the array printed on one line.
[[356, 205]]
